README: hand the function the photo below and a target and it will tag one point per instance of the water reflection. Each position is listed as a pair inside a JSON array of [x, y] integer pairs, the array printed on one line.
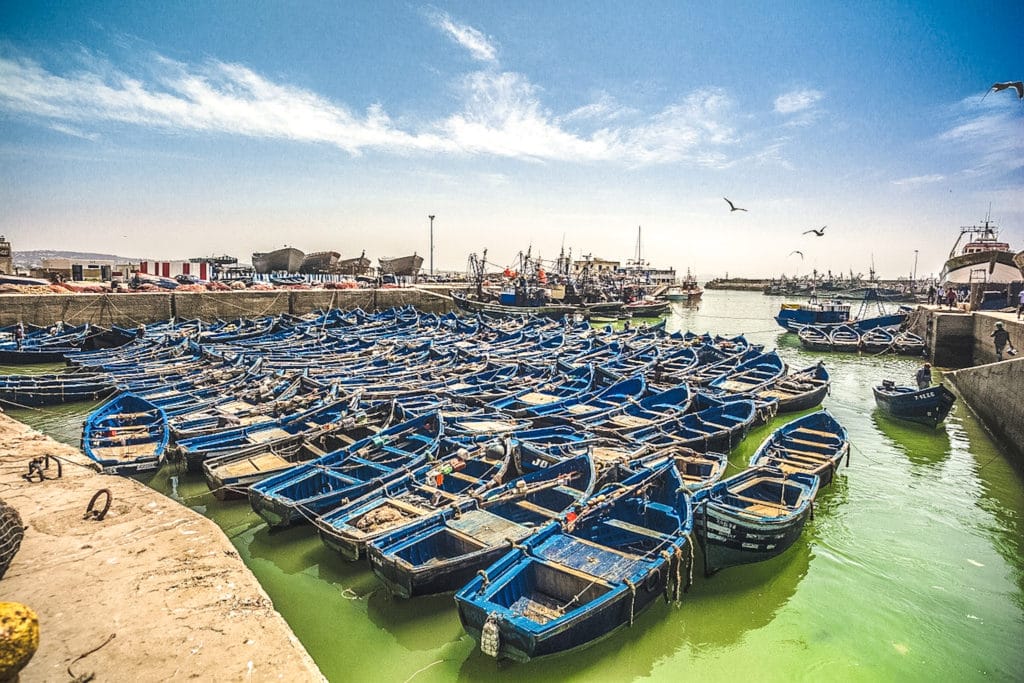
[[925, 447], [417, 624]]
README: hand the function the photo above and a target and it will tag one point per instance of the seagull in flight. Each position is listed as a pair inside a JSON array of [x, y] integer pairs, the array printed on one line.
[[820, 232], [732, 207], [1016, 85], [797, 252]]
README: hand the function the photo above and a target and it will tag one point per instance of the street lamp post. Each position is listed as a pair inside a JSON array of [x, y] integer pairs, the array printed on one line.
[[431, 217], [913, 279]]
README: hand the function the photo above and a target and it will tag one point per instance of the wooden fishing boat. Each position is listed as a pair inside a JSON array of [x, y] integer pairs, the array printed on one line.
[[466, 302], [646, 309], [928, 406], [558, 390], [696, 470], [590, 573], [878, 340], [751, 375], [800, 390], [813, 444], [311, 489], [589, 405], [126, 435], [909, 344], [752, 516], [815, 338], [230, 475], [320, 262], [718, 428], [359, 265], [447, 482], [442, 552], [844, 338], [52, 389]]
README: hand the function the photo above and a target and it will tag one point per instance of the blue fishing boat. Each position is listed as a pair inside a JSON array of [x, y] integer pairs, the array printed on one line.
[[311, 489], [127, 434], [586, 575], [878, 340], [442, 552], [800, 390], [815, 338], [844, 338], [751, 375], [752, 516], [35, 391], [555, 391], [449, 481], [813, 444], [696, 470], [589, 405], [792, 317], [718, 428], [928, 406]]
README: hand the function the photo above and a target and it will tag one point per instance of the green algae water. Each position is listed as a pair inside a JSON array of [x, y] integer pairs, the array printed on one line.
[[912, 568]]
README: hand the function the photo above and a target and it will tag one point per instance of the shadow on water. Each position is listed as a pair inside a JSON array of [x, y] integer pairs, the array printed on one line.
[[418, 623], [925, 447]]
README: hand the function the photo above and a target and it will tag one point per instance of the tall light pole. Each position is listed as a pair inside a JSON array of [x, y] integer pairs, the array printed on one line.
[[431, 217], [913, 279]]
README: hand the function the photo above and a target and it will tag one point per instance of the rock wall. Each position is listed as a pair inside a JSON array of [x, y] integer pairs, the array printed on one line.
[[993, 392], [128, 310]]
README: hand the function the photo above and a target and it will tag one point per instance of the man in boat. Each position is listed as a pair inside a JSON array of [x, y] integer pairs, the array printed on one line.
[[19, 335], [924, 376], [1002, 339]]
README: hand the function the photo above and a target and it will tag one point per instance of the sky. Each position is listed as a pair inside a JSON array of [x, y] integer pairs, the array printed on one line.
[[178, 129]]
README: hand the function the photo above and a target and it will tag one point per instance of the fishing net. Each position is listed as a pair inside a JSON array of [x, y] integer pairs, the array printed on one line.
[[11, 533]]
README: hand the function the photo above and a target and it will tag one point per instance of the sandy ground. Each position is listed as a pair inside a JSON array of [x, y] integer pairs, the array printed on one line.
[[156, 587]]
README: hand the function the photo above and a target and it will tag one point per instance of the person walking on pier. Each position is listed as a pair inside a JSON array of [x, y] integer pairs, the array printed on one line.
[[951, 298], [924, 376], [1020, 306], [940, 295], [1002, 339]]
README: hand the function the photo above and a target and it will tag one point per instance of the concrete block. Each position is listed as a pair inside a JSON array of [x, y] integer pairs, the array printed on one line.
[[993, 392]]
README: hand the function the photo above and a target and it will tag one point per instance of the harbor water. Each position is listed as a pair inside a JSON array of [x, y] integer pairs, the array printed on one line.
[[912, 568]]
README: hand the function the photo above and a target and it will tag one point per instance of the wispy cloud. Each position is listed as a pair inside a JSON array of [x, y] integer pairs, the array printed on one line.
[[501, 114], [917, 181], [478, 45], [74, 132], [991, 137], [797, 101]]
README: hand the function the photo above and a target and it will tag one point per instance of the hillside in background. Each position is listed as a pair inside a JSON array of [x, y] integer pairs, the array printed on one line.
[[26, 259]]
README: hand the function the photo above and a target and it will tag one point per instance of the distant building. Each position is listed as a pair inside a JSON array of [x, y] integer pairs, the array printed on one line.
[[596, 265], [77, 270], [6, 261], [203, 270]]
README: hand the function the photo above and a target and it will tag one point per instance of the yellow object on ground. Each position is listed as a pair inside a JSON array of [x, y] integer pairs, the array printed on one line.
[[19, 638]]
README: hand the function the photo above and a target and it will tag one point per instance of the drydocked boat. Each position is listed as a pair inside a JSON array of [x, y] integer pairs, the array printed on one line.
[[287, 260], [752, 516], [443, 551], [813, 444], [401, 266], [125, 435], [313, 488], [320, 262], [587, 575], [928, 406], [359, 265]]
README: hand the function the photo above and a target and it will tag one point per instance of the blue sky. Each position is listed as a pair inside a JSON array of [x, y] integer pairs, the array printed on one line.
[[177, 129]]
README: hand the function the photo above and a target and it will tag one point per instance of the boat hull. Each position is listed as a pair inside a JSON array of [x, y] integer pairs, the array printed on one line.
[[926, 406]]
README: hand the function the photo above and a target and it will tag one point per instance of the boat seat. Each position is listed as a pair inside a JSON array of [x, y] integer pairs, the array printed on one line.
[[815, 432], [805, 442], [533, 507], [315, 450], [341, 436], [713, 424], [636, 529], [463, 476], [763, 507], [806, 455]]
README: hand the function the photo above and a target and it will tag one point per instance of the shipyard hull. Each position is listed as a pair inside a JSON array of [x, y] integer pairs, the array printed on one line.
[[320, 262], [404, 265], [288, 260], [353, 266], [986, 266]]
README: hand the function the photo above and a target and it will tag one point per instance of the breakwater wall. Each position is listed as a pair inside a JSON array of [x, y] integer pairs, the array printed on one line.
[[957, 339], [993, 393], [129, 310]]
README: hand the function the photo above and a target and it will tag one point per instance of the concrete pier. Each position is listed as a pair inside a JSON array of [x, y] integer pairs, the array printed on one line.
[[994, 392], [153, 592]]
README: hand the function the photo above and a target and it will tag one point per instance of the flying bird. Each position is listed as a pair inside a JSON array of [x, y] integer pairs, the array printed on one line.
[[732, 207], [797, 252], [820, 232], [1016, 85]]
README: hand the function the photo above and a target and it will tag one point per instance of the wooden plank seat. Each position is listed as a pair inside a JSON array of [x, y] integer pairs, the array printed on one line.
[[129, 452], [536, 398], [815, 432], [630, 421], [487, 528], [803, 455], [636, 529], [594, 561], [266, 462], [484, 426], [761, 506], [805, 442], [533, 507]]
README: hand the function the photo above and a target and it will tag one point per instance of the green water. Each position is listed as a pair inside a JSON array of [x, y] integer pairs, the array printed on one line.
[[911, 570]]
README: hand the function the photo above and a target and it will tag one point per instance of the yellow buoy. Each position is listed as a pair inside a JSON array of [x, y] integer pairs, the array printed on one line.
[[19, 638]]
